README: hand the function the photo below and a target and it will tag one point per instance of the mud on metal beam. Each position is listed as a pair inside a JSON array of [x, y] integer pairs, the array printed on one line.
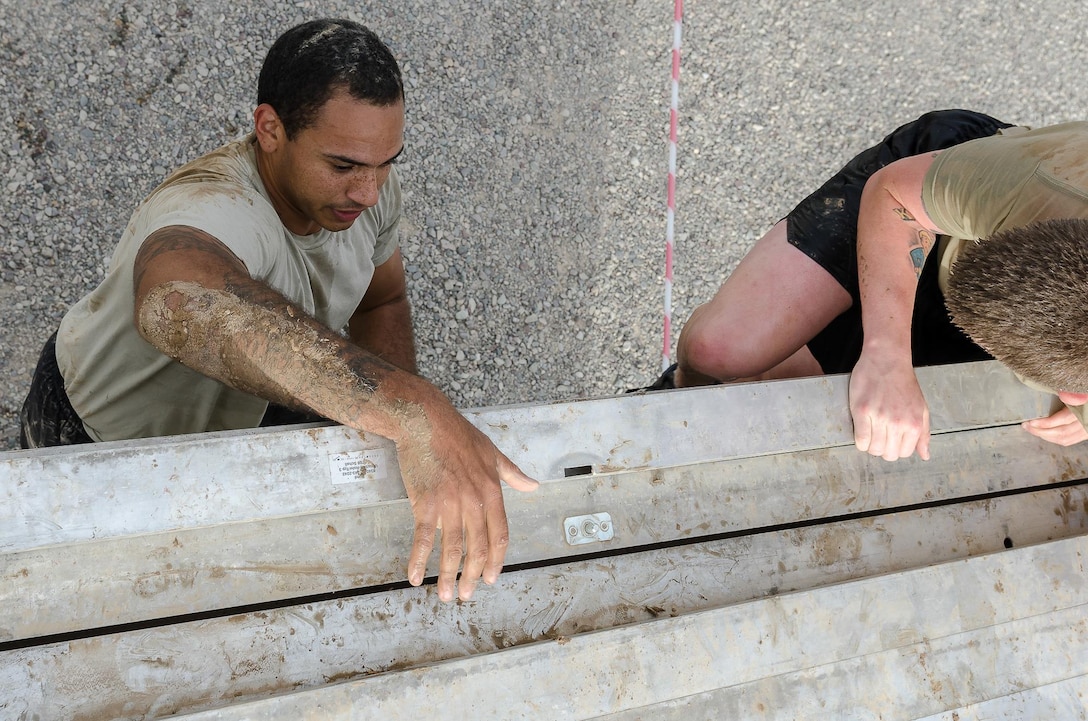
[[81, 493], [126, 579], [201, 664], [913, 644]]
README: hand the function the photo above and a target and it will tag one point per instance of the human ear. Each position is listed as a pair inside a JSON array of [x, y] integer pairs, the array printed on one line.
[[268, 127], [1073, 399]]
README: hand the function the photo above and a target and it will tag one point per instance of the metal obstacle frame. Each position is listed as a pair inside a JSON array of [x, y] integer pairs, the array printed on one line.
[[684, 555]]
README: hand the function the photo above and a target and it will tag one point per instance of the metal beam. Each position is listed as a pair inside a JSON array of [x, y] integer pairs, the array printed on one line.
[[52, 496], [181, 667], [917, 642], [137, 577], [1062, 700], [714, 497]]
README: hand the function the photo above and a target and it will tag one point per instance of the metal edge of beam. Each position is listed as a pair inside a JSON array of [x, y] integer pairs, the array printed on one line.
[[984, 671], [186, 666], [1023, 625], [1063, 700], [135, 578], [82, 492]]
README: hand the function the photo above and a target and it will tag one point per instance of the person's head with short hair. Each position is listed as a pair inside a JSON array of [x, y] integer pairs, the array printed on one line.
[[1022, 295], [329, 124], [312, 61]]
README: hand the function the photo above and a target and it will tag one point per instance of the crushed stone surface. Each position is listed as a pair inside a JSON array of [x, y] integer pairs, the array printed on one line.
[[536, 150]]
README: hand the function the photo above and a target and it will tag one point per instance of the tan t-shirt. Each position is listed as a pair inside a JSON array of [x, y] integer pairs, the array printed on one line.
[[121, 386], [1006, 181]]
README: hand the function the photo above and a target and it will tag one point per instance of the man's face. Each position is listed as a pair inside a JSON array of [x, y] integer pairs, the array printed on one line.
[[331, 171]]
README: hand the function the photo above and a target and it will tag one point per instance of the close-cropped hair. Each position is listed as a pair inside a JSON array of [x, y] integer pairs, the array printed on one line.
[[1022, 295], [311, 61]]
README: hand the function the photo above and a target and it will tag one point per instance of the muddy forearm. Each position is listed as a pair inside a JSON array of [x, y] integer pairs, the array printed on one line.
[[386, 331], [276, 352]]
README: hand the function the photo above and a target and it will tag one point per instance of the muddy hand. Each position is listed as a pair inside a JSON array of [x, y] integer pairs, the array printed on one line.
[[454, 484]]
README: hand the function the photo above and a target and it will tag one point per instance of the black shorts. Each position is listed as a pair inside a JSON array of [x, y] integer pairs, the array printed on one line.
[[47, 417], [824, 227]]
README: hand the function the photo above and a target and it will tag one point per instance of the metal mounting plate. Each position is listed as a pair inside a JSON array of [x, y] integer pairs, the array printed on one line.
[[589, 528]]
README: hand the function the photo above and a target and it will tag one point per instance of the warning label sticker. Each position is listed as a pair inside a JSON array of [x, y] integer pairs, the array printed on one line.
[[359, 466]]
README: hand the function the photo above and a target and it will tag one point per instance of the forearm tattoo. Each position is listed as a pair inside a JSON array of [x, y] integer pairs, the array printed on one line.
[[920, 244]]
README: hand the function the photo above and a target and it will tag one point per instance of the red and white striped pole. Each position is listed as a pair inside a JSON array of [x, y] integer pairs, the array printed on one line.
[[670, 216]]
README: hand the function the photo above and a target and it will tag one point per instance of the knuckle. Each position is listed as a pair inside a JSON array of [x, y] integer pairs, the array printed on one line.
[[476, 557], [424, 542]]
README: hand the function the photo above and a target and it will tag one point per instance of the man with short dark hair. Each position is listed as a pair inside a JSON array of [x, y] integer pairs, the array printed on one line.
[[235, 277], [877, 248]]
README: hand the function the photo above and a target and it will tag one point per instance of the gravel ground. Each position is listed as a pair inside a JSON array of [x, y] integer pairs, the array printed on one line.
[[536, 150]]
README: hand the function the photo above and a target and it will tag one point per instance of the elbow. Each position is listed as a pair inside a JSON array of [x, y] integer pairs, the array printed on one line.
[[166, 315]]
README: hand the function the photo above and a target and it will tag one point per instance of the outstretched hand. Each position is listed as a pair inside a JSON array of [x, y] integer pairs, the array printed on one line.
[[1062, 427], [891, 418], [453, 473]]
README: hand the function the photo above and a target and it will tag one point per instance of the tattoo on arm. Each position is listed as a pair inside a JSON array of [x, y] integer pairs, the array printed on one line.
[[920, 245], [918, 259], [235, 277], [919, 249]]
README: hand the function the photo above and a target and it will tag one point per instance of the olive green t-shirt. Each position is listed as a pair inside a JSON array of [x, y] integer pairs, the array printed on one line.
[[1019, 176], [121, 386]]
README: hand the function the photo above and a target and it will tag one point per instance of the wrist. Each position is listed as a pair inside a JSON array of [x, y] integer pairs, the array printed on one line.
[[414, 408], [886, 346]]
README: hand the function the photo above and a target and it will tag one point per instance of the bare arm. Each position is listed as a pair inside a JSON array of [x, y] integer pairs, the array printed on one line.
[[196, 302], [382, 324], [895, 234]]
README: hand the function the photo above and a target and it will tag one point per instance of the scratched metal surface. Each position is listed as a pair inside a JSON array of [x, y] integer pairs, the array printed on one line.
[[142, 531], [64, 495], [139, 531], [675, 427], [905, 645], [200, 664], [133, 577]]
